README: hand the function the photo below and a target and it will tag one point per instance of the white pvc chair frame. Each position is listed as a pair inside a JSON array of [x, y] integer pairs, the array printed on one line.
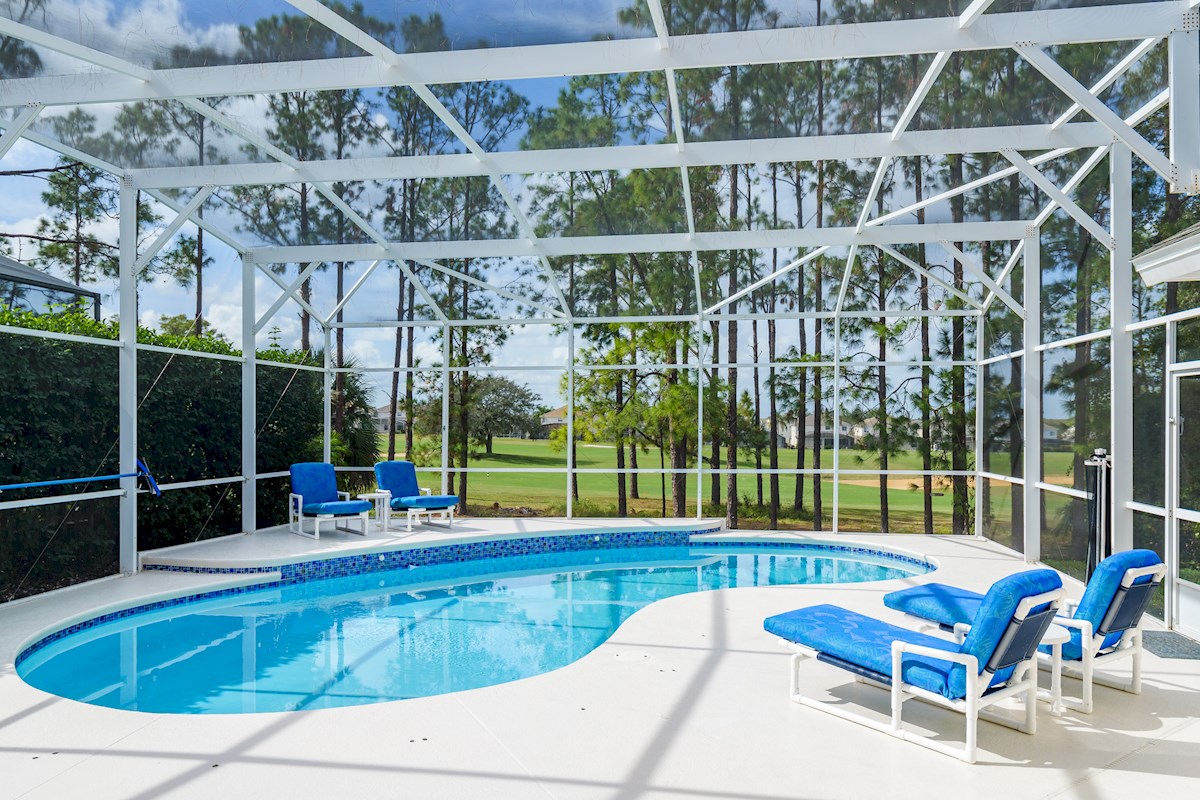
[[1128, 646], [416, 513], [973, 706], [296, 517]]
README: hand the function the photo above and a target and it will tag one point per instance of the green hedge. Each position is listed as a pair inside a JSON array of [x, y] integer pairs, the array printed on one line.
[[58, 419]]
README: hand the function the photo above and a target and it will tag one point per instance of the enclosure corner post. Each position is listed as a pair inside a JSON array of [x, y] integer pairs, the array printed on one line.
[[127, 430], [570, 421], [980, 421], [1121, 293], [1031, 400], [327, 397], [446, 407], [249, 402]]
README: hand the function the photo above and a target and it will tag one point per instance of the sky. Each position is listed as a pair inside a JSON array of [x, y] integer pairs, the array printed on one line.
[[143, 31]]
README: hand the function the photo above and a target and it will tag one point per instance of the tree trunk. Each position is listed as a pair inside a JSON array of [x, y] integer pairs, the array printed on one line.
[[394, 397], [622, 502], [818, 304]]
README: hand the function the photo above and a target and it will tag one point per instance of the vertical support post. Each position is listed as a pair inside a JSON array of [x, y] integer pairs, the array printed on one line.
[[980, 349], [1183, 58], [570, 420], [700, 417], [1170, 481], [837, 413], [127, 377], [445, 408], [249, 403], [327, 398], [1031, 367], [1120, 162]]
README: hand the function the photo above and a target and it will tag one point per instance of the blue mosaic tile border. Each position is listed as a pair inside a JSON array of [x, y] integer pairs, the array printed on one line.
[[303, 572], [132, 611], [449, 553], [890, 555]]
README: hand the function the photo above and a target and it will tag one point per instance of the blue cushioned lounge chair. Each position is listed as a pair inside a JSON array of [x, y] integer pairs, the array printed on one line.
[[315, 496], [996, 660], [399, 480], [1105, 625]]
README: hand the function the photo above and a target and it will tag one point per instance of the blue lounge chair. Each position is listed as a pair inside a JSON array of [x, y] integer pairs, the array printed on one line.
[[1105, 626], [399, 480], [315, 495], [996, 660]]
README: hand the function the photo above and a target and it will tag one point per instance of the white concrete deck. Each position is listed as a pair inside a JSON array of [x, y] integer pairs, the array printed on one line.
[[687, 700]]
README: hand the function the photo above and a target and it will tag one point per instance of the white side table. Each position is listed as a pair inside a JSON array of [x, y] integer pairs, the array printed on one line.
[[1056, 636], [383, 510]]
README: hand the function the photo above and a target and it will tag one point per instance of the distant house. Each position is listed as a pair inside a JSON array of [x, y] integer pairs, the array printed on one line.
[[789, 434], [554, 419], [863, 430], [381, 419], [1058, 431]]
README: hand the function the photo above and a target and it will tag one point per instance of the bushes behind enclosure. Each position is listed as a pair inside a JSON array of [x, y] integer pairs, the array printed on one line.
[[58, 419]]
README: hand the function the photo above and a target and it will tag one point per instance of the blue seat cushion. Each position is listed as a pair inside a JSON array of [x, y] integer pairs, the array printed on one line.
[[337, 508], [397, 477], [866, 642], [937, 602], [315, 481], [432, 502]]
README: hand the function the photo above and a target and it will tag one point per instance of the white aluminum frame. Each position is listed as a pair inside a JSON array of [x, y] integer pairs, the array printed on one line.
[[113, 80]]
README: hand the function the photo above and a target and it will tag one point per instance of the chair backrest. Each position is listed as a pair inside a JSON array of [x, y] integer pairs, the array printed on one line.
[[1113, 604], [1011, 621], [397, 477], [315, 481]]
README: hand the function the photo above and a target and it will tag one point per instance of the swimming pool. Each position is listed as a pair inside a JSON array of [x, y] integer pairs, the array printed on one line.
[[406, 633]]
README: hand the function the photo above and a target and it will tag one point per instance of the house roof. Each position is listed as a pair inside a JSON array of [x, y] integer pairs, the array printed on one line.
[[1176, 258], [13, 270]]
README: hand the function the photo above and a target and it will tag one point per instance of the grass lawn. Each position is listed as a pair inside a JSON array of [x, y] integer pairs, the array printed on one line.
[[546, 492]]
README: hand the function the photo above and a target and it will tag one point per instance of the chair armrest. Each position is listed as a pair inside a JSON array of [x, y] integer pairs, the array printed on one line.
[[344, 495], [966, 659], [1082, 625], [961, 629], [427, 491], [296, 501]]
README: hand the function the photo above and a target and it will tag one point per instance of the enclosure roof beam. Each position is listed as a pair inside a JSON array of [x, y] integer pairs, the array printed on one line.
[[358, 284], [18, 127], [1120, 68], [977, 272], [774, 276], [151, 77], [1060, 197], [769, 46], [664, 41], [973, 12], [917, 268], [165, 236], [649, 243], [1136, 118], [831, 147], [1099, 111], [289, 293], [1047, 211], [387, 55]]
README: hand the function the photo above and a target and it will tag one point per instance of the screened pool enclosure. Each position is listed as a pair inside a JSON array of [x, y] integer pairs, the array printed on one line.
[[835, 266]]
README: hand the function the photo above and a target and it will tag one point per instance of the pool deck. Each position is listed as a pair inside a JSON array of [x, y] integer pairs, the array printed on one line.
[[688, 699]]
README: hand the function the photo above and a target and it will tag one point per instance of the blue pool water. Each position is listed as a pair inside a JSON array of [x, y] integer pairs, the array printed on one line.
[[404, 633]]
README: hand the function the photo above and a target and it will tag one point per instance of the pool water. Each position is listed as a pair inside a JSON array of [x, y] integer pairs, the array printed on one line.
[[405, 633]]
